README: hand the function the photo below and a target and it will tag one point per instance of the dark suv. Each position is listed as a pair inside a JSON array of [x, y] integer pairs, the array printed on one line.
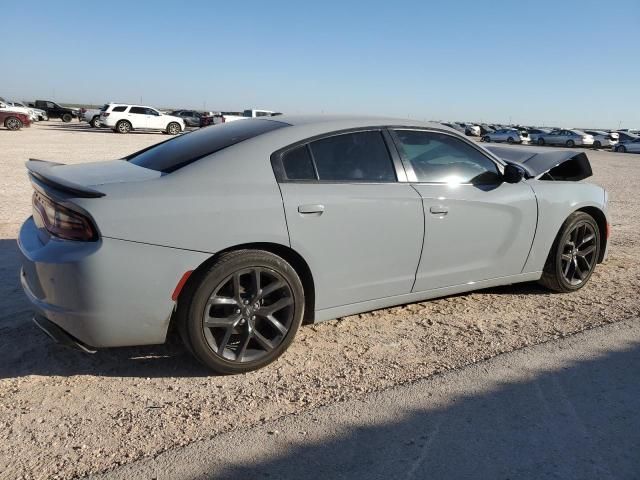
[[56, 111]]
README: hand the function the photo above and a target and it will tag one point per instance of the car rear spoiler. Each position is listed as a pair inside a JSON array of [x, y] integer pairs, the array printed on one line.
[[545, 164], [45, 172]]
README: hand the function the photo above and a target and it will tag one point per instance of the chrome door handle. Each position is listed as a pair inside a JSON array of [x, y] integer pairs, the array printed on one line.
[[309, 209], [439, 210]]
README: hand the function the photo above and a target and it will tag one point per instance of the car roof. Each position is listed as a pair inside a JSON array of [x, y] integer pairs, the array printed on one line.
[[338, 122]]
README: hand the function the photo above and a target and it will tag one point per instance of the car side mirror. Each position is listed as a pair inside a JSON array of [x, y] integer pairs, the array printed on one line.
[[513, 173]]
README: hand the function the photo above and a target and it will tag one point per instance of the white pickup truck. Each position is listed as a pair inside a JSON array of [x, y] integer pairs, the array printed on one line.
[[224, 117]]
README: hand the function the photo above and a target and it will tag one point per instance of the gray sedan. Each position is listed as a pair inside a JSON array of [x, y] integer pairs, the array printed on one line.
[[238, 233], [567, 138]]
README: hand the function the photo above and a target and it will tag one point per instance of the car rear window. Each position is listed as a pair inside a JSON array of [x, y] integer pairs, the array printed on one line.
[[178, 152]]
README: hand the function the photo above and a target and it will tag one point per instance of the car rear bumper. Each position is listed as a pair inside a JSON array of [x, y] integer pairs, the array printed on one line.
[[107, 293]]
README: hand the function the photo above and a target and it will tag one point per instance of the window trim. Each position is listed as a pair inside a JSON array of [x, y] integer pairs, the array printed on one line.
[[281, 177], [411, 175]]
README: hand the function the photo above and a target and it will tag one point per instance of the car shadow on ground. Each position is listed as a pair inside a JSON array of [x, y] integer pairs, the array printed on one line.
[[576, 421]]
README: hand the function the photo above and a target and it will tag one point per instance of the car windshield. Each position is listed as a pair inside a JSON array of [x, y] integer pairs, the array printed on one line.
[[178, 152]]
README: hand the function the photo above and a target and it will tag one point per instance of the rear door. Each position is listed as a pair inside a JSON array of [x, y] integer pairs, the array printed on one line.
[[477, 227], [360, 230]]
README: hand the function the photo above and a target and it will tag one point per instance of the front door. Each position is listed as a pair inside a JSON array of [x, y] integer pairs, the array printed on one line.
[[360, 230], [477, 227]]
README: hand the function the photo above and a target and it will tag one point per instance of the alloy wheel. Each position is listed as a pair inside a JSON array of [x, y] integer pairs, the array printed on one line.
[[248, 315], [13, 124], [578, 256]]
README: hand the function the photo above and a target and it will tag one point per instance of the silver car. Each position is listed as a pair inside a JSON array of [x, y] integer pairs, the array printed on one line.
[[630, 146], [602, 138], [508, 135], [238, 233], [567, 138]]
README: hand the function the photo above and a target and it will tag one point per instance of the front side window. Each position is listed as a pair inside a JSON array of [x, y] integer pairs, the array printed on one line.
[[353, 157], [441, 158], [151, 111]]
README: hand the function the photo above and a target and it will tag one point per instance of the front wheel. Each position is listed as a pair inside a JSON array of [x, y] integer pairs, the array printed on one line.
[[243, 312], [487, 139], [541, 141], [597, 144], [66, 117], [570, 144], [13, 123], [573, 255], [95, 122], [510, 140], [621, 149]]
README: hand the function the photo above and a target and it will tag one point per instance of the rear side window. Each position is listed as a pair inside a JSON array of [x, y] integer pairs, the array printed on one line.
[[353, 157], [121, 108], [173, 154], [140, 110], [297, 164]]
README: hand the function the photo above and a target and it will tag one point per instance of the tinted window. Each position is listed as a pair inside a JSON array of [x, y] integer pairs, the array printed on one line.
[[140, 110], [297, 164], [120, 108], [151, 111], [359, 157], [440, 158], [180, 151]]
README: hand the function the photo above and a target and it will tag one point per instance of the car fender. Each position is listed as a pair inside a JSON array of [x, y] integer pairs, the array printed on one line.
[[556, 201]]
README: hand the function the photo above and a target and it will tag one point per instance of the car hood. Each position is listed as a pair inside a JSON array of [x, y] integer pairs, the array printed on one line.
[[84, 180], [545, 164]]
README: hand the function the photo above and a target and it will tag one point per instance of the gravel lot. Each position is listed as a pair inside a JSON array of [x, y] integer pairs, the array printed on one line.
[[65, 414]]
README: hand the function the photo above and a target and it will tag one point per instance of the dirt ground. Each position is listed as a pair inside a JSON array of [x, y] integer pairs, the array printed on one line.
[[66, 414]]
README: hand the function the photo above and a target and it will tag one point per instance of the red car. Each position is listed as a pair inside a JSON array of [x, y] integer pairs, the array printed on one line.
[[14, 120]]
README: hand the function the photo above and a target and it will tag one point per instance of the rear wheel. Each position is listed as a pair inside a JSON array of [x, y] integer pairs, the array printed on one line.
[[510, 140], [540, 141], [487, 139], [597, 144], [570, 144], [123, 126], [13, 123], [621, 149], [243, 312], [574, 254], [66, 117], [173, 128]]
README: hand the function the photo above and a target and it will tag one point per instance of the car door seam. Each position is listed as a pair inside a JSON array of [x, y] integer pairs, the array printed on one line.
[[535, 230], [424, 237]]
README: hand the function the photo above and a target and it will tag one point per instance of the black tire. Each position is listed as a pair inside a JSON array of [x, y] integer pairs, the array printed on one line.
[[621, 149], [66, 117], [597, 144], [557, 276], [173, 128], [570, 144], [540, 141], [95, 121], [123, 126], [242, 324], [510, 140], [13, 123], [487, 139]]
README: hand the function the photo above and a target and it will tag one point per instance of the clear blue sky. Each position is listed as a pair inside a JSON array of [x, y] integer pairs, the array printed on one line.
[[569, 63]]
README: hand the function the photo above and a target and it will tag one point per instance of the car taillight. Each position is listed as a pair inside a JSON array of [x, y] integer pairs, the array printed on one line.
[[105, 114], [61, 221]]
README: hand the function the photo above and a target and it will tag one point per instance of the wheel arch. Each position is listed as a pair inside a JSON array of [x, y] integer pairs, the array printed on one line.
[[601, 219], [296, 260]]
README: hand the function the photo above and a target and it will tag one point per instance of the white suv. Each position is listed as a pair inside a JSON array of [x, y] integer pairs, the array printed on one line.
[[124, 118]]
